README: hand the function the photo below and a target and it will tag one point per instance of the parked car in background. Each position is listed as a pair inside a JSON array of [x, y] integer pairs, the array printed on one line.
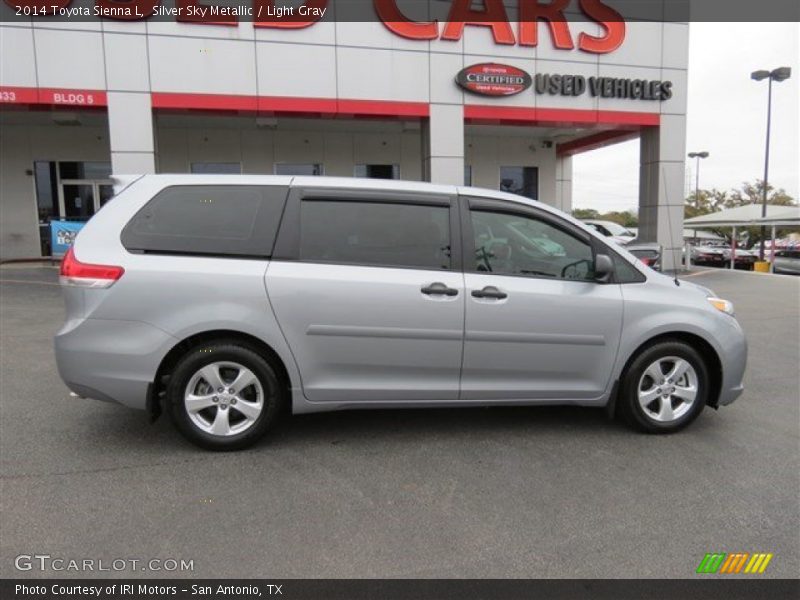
[[647, 253], [744, 259], [616, 232], [787, 262], [223, 299], [710, 256]]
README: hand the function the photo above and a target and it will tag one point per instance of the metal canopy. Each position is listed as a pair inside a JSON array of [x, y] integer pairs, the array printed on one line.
[[743, 216]]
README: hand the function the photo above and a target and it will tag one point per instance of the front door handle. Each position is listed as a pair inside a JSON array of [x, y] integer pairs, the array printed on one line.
[[489, 292], [439, 289]]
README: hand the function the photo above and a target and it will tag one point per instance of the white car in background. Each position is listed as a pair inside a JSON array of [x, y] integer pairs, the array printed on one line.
[[614, 231]]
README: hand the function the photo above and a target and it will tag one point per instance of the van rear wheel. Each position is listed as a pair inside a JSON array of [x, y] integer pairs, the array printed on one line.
[[665, 388], [223, 395]]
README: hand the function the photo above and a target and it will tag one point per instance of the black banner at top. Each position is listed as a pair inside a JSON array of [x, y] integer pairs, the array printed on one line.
[[294, 14]]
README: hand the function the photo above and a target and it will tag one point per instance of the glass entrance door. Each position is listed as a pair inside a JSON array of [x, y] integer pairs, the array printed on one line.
[[82, 198], [78, 201]]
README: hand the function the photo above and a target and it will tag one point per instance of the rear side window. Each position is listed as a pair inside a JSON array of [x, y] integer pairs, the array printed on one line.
[[373, 233], [217, 220]]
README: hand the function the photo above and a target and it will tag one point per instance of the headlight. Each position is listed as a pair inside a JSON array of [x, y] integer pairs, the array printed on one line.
[[725, 306]]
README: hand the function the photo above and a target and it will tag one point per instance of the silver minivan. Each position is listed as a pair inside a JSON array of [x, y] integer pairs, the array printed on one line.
[[223, 299]]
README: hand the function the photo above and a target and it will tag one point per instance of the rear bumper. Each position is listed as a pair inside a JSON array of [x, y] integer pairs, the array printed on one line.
[[111, 360]]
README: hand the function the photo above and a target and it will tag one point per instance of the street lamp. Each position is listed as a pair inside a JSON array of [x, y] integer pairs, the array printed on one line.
[[698, 156], [779, 74]]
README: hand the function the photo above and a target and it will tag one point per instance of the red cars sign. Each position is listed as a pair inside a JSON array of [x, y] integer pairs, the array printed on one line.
[[493, 79]]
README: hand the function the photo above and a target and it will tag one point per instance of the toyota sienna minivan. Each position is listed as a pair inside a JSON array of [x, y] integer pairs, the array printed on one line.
[[223, 299]]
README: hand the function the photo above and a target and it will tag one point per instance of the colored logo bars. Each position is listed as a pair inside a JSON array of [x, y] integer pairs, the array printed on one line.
[[732, 563]]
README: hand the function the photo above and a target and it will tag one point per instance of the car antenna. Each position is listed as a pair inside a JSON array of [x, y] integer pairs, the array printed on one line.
[[669, 225]]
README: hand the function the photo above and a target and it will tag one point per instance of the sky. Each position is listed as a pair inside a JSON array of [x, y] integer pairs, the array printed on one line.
[[726, 117]]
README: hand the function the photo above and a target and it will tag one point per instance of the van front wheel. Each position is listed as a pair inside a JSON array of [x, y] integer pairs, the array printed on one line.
[[223, 396], [665, 388]]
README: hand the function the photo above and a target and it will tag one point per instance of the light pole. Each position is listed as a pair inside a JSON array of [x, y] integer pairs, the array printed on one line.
[[779, 74], [687, 246], [698, 156]]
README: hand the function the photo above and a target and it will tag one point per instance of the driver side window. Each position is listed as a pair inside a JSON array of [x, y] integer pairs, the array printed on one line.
[[509, 244]]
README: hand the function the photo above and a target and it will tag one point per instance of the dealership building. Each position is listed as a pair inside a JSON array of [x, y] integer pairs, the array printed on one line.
[[458, 99]]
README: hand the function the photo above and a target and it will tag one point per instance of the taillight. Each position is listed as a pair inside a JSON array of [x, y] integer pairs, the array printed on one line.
[[647, 261], [74, 272]]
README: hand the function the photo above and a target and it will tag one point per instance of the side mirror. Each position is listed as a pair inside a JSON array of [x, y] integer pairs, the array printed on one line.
[[603, 268]]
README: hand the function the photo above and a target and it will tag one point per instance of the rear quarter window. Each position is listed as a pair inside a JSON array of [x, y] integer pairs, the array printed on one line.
[[216, 220]]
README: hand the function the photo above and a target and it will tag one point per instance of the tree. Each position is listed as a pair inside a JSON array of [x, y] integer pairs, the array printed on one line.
[[585, 213], [704, 202], [710, 201], [625, 218], [752, 193]]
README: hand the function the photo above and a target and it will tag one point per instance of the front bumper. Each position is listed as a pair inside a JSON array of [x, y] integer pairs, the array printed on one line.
[[734, 363], [111, 360]]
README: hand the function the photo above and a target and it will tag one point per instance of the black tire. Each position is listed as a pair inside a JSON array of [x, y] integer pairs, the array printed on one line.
[[628, 401], [274, 394]]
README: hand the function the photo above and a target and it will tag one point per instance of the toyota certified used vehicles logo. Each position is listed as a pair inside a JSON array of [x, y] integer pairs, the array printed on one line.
[[493, 79]]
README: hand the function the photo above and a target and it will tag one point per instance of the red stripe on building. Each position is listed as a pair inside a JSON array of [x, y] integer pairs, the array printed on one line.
[[288, 105], [384, 108], [18, 95], [474, 113], [561, 117], [212, 102], [53, 97]]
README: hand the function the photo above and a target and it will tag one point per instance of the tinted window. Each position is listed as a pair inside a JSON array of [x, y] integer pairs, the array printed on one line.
[[239, 220], [509, 244], [84, 170], [378, 171], [520, 180], [370, 233], [298, 169]]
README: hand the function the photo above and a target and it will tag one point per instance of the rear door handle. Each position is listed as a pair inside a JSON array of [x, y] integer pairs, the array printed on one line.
[[489, 292], [439, 289]]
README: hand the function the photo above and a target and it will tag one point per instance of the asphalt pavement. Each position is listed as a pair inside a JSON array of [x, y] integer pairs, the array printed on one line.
[[500, 492]]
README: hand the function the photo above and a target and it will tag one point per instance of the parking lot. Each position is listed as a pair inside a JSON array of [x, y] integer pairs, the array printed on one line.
[[501, 492]]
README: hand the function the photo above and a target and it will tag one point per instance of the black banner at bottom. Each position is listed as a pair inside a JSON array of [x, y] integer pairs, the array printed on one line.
[[401, 589]]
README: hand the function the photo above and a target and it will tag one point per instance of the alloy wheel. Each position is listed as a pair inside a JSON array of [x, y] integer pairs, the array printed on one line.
[[224, 398], [668, 389]]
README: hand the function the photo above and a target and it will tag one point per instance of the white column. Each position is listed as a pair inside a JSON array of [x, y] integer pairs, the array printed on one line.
[[564, 183], [661, 183], [443, 145], [130, 124]]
